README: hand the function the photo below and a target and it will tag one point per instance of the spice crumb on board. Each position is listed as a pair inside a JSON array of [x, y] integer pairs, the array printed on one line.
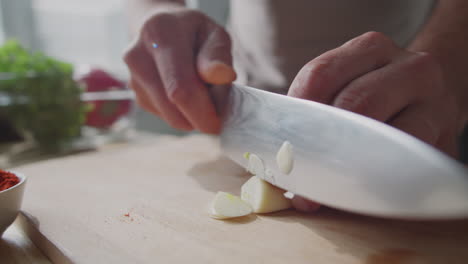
[[128, 215]]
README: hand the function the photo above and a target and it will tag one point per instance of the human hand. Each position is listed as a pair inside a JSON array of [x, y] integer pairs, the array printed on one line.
[[177, 53], [372, 76]]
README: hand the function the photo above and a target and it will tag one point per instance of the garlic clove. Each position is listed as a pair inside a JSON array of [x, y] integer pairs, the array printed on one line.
[[226, 205], [285, 158], [256, 165], [264, 197]]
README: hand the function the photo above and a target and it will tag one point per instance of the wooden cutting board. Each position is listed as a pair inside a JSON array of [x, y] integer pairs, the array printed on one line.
[[146, 203]]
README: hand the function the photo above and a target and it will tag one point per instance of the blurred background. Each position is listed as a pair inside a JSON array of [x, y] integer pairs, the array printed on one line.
[[85, 33]]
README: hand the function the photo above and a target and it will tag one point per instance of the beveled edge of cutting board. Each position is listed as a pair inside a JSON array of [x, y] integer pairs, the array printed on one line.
[[30, 227]]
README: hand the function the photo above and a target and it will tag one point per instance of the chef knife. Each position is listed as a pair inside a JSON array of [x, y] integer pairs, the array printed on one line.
[[341, 159]]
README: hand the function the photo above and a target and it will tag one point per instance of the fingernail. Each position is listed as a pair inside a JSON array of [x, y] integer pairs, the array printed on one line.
[[221, 73]]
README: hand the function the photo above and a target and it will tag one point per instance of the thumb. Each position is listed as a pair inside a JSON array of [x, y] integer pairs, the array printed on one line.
[[214, 60]]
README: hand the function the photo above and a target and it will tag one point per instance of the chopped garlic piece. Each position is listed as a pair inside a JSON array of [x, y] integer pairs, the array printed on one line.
[[226, 205], [264, 197], [256, 166], [284, 158]]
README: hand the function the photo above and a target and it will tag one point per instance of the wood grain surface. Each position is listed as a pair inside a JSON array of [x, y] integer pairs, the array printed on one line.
[[147, 203]]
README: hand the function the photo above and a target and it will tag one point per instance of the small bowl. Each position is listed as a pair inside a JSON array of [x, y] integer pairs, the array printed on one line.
[[10, 203]]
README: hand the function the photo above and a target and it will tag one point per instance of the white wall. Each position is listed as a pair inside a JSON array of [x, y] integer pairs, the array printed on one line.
[[95, 31], [216, 9], [86, 32], [17, 20], [83, 31]]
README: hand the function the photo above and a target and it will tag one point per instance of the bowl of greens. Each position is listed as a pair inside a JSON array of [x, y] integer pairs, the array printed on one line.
[[39, 97]]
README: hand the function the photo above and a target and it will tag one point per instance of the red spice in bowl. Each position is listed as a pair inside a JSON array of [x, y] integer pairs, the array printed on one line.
[[7, 180]]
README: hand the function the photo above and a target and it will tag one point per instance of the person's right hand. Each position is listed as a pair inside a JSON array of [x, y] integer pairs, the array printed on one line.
[[178, 52]]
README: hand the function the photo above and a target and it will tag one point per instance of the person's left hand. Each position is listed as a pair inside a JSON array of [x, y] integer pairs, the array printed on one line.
[[372, 76]]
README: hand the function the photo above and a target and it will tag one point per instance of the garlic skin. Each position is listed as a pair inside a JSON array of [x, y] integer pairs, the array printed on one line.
[[264, 197], [285, 158], [226, 205]]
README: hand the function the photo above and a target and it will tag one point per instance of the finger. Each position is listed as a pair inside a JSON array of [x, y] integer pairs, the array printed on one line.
[[448, 142], [304, 205], [419, 121], [174, 59], [143, 70], [214, 59], [452, 128], [142, 98], [322, 78], [433, 122], [385, 92]]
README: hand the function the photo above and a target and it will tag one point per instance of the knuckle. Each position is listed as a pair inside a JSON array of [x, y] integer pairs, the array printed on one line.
[[222, 35], [426, 61], [318, 70], [427, 66], [177, 92], [130, 55], [311, 77], [221, 42], [355, 100], [372, 39], [178, 96], [423, 58], [375, 38]]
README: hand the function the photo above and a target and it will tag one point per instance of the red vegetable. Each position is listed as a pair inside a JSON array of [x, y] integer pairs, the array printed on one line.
[[7, 180], [104, 113]]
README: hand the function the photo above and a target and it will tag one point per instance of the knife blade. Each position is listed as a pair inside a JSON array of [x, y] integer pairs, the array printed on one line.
[[343, 160]]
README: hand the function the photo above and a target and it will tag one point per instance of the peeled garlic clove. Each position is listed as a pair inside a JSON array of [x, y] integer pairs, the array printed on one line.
[[264, 197], [226, 205], [256, 166], [285, 158]]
